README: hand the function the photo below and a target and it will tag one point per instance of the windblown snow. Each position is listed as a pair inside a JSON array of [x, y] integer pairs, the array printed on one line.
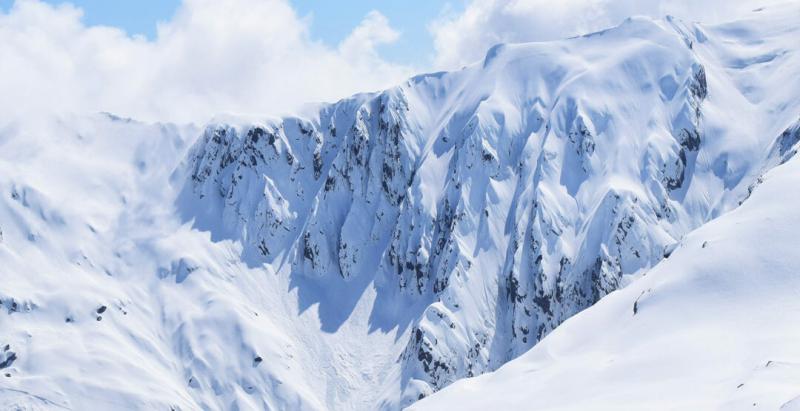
[[369, 253]]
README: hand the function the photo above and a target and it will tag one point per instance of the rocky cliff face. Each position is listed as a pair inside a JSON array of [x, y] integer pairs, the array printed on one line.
[[506, 197]]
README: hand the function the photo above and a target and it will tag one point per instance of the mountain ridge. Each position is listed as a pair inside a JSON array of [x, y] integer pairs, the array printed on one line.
[[402, 239]]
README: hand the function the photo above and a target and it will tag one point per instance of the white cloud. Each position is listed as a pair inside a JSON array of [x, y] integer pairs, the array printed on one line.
[[214, 56], [257, 56], [373, 31], [462, 38]]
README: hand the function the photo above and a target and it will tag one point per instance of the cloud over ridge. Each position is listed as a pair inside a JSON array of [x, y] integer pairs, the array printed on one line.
[[463, 37], [257, 57], [214, 56]]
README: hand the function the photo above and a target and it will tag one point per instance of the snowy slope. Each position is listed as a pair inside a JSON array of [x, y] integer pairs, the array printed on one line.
[[712, 327], [110, 300], [370, 252], [86, 239]]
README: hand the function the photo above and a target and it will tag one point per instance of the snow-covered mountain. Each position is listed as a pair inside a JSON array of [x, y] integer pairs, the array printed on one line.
[[711, 327], [368, 253]]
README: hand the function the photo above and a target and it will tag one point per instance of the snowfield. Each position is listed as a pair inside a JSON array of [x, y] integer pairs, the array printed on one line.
[[636, 185]]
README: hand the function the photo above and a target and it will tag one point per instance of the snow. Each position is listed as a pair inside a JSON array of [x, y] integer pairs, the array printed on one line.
[[371, 252], [712, 328]]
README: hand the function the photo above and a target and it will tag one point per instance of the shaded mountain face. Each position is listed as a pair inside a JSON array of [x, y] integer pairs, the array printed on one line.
[[709, 314], [378, 249], [504, 198]]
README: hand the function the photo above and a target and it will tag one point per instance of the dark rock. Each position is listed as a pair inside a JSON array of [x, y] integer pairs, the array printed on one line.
[[10, 358], [690, 139], [317, 165], [699, 86]]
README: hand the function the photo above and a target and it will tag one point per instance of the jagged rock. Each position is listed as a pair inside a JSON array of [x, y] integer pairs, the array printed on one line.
[[7, 357], [542, 208]]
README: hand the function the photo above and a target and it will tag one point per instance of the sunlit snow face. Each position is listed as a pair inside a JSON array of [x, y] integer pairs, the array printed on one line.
[[461, 38]]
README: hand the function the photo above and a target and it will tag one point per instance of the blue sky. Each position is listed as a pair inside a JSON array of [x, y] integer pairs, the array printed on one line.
[[331, 20], [135, 16]]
